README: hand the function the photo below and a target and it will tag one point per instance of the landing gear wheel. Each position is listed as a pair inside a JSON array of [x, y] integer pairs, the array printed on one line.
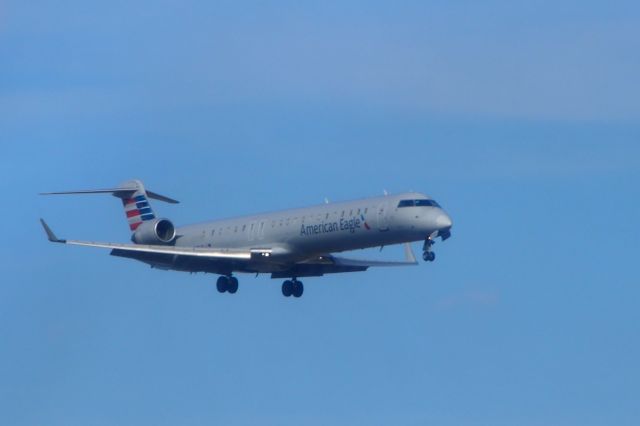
[[222, 284], [287, 288], [429, 256], [298, 289], [233, 285]]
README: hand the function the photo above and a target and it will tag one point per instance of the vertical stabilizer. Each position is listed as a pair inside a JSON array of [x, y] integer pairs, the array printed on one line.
[[136, 205]]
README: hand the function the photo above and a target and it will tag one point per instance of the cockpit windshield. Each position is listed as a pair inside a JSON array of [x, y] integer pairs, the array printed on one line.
[[418, 203]]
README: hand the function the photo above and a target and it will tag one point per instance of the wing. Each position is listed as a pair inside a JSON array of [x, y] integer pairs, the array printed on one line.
[[410, 259], [193, 252], [200, 258], [330, 264]]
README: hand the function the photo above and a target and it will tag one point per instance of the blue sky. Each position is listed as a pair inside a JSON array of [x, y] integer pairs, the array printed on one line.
[[521, 118]]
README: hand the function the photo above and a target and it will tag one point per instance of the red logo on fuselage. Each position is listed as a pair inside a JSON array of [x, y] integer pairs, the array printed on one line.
[[366, 225]]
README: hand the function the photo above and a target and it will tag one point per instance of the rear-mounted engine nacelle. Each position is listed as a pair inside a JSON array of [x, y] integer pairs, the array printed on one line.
[[156, 231]]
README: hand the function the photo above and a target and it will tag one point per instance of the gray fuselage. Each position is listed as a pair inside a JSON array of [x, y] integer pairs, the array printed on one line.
[[297, 234]]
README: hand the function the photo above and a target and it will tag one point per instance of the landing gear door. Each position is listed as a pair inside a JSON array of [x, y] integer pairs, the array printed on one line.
[[383, 216]]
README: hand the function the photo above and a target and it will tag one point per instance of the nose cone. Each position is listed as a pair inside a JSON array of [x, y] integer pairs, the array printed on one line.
[[443, 221]]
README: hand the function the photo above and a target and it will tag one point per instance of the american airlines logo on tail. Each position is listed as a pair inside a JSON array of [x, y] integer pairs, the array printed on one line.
[[137, 210]]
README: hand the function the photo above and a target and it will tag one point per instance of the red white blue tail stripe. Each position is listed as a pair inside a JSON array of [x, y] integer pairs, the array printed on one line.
[[138, 210]]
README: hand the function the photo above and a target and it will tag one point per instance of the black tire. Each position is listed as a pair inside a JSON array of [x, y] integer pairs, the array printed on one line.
[[287, 288], [233, 285], [298, 289], [429, 256], [222, 284]]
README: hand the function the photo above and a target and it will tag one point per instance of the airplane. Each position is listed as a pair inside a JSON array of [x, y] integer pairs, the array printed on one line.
[[287, 244]]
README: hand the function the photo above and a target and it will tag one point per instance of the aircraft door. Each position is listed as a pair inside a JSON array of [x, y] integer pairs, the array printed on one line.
[[383, 216]]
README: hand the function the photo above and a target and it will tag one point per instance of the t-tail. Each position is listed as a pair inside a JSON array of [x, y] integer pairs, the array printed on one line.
[[136, 206], [135, 200]]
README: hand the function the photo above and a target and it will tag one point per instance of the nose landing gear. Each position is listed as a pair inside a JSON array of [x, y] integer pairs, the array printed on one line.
[[427, 253], [429, 256]]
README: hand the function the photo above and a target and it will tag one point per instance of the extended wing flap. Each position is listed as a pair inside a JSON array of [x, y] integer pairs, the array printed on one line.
[[330, 264], [410, 259]]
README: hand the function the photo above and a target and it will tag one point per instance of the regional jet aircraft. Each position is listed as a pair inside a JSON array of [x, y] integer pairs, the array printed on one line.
[[287, 244]]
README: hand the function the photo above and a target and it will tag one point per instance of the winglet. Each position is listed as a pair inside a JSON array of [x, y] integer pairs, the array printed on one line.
[[408, 254], [50, 235]]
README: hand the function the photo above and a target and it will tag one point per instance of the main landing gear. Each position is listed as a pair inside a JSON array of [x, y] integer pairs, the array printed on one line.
[[292, 288], [227, 283], [427, 253]]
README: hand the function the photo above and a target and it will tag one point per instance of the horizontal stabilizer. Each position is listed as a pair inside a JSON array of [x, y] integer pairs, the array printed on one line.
[[120, 192], [159, 197]]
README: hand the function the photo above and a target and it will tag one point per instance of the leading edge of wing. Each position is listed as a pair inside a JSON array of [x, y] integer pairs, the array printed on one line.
[[179, 251], [142, 248], [410, 259]]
